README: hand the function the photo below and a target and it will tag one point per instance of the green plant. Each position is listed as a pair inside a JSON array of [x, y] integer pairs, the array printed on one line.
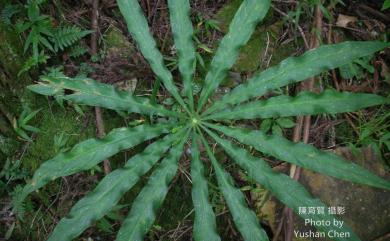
[[374, 131], [11, 171], [42, 36], [21, 124], [60, 141], [357, 68], [192, 120], [9, 11], [386, 5], [276, 125]]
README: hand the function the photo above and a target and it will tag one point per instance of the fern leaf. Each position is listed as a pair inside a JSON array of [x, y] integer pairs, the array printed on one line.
[[77, 51], [18, 202], [32, 62], [8, 12], [67, 36]]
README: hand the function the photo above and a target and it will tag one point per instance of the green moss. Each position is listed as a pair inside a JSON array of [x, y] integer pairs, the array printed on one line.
[[263, 39], [117, 43], [54, 120], [177, 205], [225, 15], [11, 85], [251, 54]]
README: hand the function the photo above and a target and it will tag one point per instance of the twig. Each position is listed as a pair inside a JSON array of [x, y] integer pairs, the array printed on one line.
[[336, 83], [305, 123], [383, 238], [98, 111], [375, 12], [301, 32]]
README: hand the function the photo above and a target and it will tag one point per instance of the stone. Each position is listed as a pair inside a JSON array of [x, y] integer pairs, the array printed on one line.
[[367, 209], [117, 43]]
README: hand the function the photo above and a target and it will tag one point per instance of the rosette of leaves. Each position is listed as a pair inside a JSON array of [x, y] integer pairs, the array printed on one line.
[[199, 121]]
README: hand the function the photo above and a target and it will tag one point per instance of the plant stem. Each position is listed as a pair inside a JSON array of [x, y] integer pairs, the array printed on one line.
[[98, 112], [301, 123]]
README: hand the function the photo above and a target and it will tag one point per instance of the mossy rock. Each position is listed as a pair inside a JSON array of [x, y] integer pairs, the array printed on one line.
[[117, 43]]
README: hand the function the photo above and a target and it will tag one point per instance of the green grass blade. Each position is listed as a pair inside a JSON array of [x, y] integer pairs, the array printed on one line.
[[205, 227], [90, 92], [296, 196], [108, 192], [304, 155], [89, 153], [182, 31], [143, 211], [139, 29], [244, 218], [295, 69], [305, 103], [240, 30]]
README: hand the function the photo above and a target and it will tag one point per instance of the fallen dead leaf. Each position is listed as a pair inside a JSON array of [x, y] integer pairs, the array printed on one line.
[[345, 20]]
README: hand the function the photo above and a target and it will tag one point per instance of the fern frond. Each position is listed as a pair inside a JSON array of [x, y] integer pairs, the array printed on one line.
[[38, 2], [33, 62], [66, 36], [77, 51], [18, 202], [8, 12]]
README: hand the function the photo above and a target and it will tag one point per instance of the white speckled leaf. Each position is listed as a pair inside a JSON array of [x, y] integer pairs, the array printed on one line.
[[305, 103]]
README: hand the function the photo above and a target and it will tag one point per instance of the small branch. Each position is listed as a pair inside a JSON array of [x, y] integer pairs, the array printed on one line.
[[302, 125], [383, 238], [336, 82], [301, 32], [98, 112], [94, 26], [375, 12]]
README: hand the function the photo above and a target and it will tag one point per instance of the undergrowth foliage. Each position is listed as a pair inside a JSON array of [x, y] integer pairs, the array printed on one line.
[[42, 36], [197, 123]]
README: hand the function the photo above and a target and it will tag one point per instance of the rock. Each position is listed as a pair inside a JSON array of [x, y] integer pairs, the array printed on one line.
[[128, 85], [367, 209], [117, 43]]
